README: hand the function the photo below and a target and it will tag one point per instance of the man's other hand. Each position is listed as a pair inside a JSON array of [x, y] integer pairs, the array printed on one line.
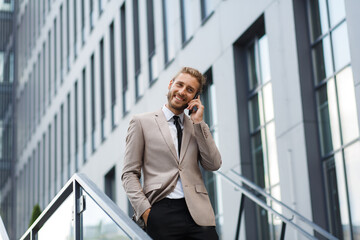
[[146, 215]]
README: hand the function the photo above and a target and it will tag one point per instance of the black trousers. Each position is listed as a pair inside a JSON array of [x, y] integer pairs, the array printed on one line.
[[170, 219]]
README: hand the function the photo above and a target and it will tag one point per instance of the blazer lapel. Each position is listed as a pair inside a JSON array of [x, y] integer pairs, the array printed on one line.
[[187, 132], [165, 131]]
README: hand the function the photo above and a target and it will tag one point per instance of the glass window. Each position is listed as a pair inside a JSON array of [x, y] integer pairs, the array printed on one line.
[[254, 113], [207, 8], [83, 21], [93, 114], [252, 72], [61, 43], [112, 74], [268, 103], [39, 17], [100, 7], [112, 64], [44, 180], [2, 64], [44, 79], [49, 65], [341, 46], [29, 27], [7, 5], [347, 105], [352, 166], [102, 89], [272, 156], [27, 187], [318, 18], [262, 130], [136, 35], [38, 173], [55, 55], [76, 109], [69, 135], [62, 153], [92, 15], [324, 123], [332, 197], [75, 30], [28, 110], [264, 60], [322, 60], [32, 179], [125, 94], [153, 66], [55, 154], [39, 89], [11, 69], [257, 156], [208, 97], [187, 21], [84, 112], [169, 21], [343, 203], [139, 88], [49, 160], [110, 184], [33, 23], [336, 11], [67, 35], [337, 112]]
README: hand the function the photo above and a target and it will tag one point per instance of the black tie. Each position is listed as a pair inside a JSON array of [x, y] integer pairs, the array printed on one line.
[[179, 132]]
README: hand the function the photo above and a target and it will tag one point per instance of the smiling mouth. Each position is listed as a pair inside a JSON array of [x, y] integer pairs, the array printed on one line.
[[179, 99]]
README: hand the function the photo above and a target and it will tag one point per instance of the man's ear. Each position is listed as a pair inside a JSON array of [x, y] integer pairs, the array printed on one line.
[[170, 83]]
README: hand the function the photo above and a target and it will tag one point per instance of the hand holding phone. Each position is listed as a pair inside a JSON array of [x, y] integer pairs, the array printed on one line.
[[194, 108], [197, 109]]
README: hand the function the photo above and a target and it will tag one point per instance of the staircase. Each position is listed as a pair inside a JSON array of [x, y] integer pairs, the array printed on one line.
[[257, 195], [82, 211]]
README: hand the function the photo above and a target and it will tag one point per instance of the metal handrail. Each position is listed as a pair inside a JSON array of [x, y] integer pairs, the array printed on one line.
[[295, 213], [81, 181], [3, 233], [256, 199]]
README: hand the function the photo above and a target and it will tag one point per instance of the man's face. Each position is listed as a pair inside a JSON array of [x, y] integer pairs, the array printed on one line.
[[181, 91]]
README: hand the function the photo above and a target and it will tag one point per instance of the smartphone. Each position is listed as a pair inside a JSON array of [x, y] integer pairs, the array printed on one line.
[[194, 108]]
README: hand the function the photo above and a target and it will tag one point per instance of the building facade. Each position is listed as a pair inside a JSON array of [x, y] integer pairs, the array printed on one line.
[[7, 109], [282, 100]]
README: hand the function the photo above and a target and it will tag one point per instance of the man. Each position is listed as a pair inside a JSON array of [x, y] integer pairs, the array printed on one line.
[[167, 146]]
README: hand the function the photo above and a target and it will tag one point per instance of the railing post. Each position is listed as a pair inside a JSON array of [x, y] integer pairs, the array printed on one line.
[[283, 227], [33, 235], [239, 218], [77, 215]]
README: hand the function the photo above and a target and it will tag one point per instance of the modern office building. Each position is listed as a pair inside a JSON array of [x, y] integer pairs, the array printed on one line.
[[282, 100], [7, 110]]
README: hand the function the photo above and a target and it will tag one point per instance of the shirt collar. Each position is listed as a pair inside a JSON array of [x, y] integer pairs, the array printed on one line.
[[169, 114]]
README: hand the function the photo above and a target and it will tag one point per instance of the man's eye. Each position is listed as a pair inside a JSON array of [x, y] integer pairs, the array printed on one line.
[[191, 90]]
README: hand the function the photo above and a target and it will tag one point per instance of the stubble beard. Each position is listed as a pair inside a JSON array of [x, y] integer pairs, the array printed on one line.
[[178, 108]]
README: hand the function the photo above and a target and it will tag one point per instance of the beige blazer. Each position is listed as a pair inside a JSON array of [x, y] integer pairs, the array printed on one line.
[[150, 148]]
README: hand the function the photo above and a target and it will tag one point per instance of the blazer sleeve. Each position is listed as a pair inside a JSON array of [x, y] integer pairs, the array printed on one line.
[[131, 173], [210, 158]]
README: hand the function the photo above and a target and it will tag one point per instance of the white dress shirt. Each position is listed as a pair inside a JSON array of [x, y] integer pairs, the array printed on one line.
[[178, 191]]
